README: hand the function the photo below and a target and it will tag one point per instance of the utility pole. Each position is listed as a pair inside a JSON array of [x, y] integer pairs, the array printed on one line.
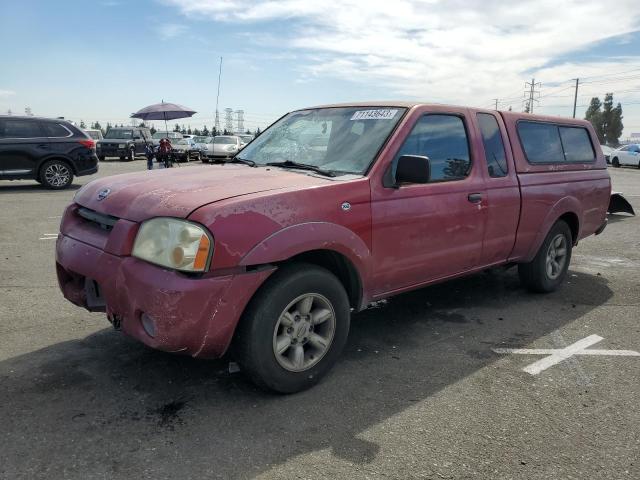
[[217, 122], [575, 98], [496, 99], [532, 92]]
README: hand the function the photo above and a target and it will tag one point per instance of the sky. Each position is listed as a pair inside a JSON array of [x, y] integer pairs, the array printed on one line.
[[104, 59]]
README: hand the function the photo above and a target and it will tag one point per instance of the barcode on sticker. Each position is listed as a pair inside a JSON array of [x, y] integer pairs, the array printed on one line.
[[383, 114]]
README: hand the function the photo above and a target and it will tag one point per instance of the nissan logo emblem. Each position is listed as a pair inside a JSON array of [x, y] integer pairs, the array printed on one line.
[[102, 194]]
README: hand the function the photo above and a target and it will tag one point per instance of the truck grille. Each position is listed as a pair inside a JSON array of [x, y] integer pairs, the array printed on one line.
[[105, 222]]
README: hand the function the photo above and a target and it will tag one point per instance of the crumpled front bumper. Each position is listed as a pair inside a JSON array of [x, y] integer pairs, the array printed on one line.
[[194, 316]]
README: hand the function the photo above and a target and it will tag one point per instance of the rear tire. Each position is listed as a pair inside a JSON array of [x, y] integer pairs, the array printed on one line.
[[547, 270], [101, 158], [615, 162], [294, 329], [56, 175]]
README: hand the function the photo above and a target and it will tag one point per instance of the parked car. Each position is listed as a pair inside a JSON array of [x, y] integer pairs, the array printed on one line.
[[606, 151], [272, 252], [184, 149], [244, 139], [50, 151], [628, 155], [124, 142], [205, 144], [225, 146], [160, 135], [93, 133]]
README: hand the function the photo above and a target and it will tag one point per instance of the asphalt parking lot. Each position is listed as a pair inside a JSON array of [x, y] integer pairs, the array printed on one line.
[[420, 391]]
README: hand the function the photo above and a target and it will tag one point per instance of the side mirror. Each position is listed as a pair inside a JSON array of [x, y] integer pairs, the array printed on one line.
[[412, 169]]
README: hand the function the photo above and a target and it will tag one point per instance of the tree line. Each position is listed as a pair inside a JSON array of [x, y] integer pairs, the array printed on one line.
[[204, 132], [606, 120]]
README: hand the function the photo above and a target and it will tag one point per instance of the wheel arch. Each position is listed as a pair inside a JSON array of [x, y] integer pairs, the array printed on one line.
[[565, 209], [571, 219], [329, 245], [340, 266]]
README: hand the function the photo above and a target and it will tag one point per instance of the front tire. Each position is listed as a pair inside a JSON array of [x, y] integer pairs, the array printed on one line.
[[615, 162], [56, 175], [294, 329], [547, 270], [132, 155]]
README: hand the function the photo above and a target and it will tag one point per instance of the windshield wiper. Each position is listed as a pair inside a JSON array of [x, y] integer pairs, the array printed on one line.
[[245, 161], [302, 166]]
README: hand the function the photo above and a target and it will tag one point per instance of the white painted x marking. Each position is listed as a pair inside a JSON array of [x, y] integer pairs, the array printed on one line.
[[557, 355]]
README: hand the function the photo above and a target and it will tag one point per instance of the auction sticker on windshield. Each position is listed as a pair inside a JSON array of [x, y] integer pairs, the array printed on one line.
[[383, 114]]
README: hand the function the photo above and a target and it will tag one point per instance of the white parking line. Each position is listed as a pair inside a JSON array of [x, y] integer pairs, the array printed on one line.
[[557, 355], [49, 236]]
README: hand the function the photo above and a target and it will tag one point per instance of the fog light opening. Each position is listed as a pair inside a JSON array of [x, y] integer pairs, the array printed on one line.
[[149, 325]]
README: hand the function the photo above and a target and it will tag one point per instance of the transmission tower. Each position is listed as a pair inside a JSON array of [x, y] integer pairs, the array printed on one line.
[[228, 119], [240, 120], [530, 88]]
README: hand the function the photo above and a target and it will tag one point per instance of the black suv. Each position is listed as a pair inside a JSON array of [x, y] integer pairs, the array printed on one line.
[[124, 142], [50, 151]]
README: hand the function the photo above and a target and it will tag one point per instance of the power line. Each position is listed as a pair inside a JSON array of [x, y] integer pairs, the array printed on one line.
[[613, 74]]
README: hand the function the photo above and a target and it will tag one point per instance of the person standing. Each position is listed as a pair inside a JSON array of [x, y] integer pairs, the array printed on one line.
[[149, 152], [165, 152]]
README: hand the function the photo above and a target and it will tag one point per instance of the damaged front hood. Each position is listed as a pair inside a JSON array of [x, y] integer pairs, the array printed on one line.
[[176, 192]]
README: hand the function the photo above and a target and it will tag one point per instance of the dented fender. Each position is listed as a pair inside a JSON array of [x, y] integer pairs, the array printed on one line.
[[296, 239]]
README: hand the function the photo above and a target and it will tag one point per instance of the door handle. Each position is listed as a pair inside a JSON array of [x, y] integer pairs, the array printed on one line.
[[44, 146], [475, 197]]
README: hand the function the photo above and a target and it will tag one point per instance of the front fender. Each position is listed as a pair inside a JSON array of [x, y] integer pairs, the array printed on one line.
[[562, 206], [304, 237]]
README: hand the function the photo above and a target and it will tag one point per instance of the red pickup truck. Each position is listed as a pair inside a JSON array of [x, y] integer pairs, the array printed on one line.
[[329, 209]]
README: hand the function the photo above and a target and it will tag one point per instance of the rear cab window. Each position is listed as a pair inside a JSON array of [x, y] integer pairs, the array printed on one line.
[[545, 143], [494, 151]]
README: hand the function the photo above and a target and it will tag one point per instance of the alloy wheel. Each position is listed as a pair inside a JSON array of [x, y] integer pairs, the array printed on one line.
[[304, 332], [556, 256], [57, 175]]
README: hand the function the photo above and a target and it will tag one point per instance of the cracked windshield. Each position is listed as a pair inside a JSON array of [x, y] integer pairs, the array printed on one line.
[[338, 140]]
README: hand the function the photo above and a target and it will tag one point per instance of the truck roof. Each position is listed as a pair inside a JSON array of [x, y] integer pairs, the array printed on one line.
[[512, 116]]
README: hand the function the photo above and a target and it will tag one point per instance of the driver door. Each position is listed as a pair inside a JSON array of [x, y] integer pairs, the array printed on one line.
[[424, 232]]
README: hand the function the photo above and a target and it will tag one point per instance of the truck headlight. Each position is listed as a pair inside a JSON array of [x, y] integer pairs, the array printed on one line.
[[174, 243]]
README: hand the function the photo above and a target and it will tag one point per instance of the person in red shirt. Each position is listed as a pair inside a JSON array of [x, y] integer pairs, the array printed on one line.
[[164, 152]]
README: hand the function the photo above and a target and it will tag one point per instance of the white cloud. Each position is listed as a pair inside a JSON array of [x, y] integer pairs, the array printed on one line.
[[6, 93], [439, 50], [167, 31]]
